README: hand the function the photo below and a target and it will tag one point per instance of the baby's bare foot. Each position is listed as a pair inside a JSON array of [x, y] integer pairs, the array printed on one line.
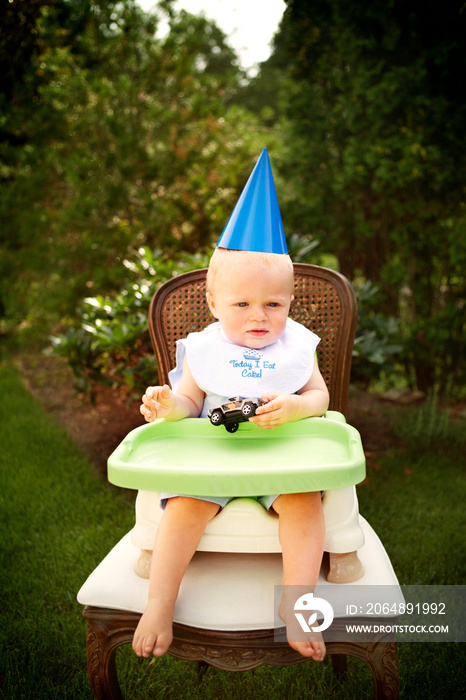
[[154, 633], [309, 644], [311, 647]]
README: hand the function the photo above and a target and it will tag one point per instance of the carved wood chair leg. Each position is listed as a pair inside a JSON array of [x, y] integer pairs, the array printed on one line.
[[202, 668], [339, 663], [101, 667], [383, 661], [106, 631]]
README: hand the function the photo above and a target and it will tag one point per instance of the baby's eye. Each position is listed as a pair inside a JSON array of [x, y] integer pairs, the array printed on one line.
[[242, 303], [273, 304]]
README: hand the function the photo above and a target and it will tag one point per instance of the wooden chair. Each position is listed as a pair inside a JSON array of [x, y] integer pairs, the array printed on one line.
[[325, 302]]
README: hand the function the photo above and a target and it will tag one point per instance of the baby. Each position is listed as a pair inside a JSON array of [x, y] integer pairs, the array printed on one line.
[[250, 294]]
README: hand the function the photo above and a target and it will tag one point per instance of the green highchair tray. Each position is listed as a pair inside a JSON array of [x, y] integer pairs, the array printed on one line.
[[194, 457]]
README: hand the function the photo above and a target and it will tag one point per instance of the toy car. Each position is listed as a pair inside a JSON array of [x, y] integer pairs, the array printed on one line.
[[236, 410]]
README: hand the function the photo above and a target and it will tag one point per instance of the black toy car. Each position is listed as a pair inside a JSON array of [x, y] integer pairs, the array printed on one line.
[[236, 410]]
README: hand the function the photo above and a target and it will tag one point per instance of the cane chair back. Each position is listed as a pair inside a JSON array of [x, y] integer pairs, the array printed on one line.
[[324, 302]]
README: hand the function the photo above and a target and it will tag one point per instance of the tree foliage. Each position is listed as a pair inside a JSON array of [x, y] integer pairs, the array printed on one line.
[[376, 157], [112, 137], [115, 138]]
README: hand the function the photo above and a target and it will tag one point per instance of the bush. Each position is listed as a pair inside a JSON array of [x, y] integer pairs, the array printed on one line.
[[109, 342], [377, 339]]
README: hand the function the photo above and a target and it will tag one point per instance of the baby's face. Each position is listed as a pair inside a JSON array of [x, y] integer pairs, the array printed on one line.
[[252, 303]]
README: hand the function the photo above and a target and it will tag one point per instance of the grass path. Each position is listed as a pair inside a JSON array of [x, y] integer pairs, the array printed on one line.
[[58, 518]]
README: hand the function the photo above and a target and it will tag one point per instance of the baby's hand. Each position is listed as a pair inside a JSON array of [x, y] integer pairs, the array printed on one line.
[[279, 408], [157, 402]]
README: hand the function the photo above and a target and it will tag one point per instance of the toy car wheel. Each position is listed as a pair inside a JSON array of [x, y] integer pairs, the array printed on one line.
[[232, 428], [247, 409], [216, 418]]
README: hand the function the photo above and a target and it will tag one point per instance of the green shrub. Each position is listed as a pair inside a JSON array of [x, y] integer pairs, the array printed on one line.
[[376, 345], [109, 342]]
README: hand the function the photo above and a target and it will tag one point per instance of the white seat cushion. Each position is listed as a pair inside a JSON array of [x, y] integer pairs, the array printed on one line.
[[220, 591]]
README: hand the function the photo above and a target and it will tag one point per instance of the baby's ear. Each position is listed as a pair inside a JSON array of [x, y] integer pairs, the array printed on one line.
[[211, 303]]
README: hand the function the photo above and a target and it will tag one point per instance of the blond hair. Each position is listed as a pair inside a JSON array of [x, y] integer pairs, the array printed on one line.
[[223, 257]]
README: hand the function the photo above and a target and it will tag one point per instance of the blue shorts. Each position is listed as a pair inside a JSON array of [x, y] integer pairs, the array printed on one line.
[[222, 501]]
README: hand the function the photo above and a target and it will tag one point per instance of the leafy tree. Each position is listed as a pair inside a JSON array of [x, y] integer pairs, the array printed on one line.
[[123, 139], [261, 94], [376, 157]]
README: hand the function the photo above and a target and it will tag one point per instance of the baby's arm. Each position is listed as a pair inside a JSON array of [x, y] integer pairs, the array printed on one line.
[[162, 402], [280, 408]]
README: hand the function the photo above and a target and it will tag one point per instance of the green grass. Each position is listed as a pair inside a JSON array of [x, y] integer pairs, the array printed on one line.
[[415, 501], [59, 518]]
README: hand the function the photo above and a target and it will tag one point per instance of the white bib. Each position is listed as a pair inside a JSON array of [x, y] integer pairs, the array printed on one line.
[[222, 369]]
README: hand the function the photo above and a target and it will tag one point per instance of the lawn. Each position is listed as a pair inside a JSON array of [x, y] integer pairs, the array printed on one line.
[[59, 518]]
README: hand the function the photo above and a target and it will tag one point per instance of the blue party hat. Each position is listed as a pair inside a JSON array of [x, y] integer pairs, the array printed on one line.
[[255, 223]]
